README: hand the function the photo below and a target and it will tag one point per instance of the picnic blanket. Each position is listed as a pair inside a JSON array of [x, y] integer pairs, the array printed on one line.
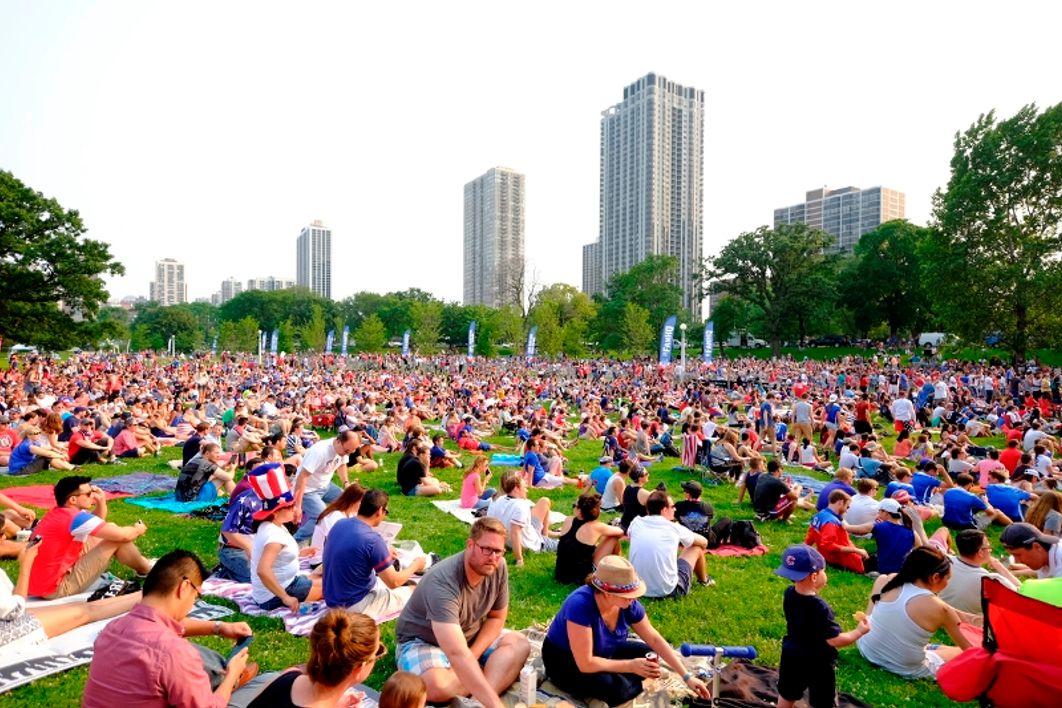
[[728, 551], [137, 483], [169, 503], [453, 508], [74, 648], [503, 460], [810, 484], [297, 624], [42, 496]]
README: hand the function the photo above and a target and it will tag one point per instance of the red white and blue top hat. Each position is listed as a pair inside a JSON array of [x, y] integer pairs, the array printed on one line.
[[270, 483]]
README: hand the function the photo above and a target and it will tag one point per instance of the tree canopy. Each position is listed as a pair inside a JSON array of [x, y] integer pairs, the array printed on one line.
[[51, 276], [993, 256]]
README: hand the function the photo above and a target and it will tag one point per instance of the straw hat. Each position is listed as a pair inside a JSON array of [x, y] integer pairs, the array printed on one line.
[[615, 575]]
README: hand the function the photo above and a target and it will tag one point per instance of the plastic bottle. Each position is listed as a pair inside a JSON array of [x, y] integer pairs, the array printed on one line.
[[528, 685]]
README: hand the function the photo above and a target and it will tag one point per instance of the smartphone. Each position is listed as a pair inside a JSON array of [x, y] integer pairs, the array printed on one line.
[[34, 541], [240, 646]]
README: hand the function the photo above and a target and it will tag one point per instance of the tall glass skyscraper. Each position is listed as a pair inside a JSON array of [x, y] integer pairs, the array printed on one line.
[[652, 184], [494, 238], [313, 259]]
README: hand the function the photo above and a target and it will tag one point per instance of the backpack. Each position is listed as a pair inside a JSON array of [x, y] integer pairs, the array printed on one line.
[[744, 534], [719, 534]]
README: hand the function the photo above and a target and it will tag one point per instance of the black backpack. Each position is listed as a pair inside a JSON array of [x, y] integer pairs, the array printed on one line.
[[744, 534], [719, 534]]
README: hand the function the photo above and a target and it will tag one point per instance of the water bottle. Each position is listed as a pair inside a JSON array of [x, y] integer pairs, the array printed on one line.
[[528, 685]]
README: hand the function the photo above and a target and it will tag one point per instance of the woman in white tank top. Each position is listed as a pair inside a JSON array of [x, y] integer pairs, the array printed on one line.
[[905, 612]]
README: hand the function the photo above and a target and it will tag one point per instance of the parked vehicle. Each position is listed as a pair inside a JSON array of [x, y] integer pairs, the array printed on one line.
[[749, 343], [933, 339], [830, 340]]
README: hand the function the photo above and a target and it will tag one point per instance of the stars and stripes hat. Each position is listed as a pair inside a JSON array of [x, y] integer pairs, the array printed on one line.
[[270, 483]]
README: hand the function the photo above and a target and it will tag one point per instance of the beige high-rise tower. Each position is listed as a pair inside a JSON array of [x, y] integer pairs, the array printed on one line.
[[846, 213], [494, 238]]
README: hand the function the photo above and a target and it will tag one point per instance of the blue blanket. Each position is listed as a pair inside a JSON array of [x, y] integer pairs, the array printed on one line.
[[810, 484], [169, 503], [137, 483], [501, 460]]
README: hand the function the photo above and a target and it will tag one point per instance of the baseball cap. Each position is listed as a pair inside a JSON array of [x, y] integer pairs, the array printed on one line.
[[605, 460], [800, 561], [833, 398], [693, 487], [890, 506], [1023, 535]]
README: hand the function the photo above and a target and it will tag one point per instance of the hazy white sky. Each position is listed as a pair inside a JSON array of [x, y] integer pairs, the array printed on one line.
[[212, 132]]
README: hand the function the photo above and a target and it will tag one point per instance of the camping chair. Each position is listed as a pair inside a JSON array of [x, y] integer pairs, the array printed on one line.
[[1017, 664]]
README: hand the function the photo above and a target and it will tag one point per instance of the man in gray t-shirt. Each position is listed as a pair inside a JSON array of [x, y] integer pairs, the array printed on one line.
[[450, 633]]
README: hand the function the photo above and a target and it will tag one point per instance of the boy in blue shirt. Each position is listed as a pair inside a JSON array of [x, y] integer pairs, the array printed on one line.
[[960, 505], [812, 636]]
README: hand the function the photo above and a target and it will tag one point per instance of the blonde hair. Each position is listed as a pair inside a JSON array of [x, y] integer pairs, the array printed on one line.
[[403, 690]]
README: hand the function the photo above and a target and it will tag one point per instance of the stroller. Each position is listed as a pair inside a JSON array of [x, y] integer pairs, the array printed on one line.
[[1017, 664]]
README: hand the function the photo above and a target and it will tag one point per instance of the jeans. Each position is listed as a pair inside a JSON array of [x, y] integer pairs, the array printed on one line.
[[313, 503], [612, 688], [236, 564], [485, 498]]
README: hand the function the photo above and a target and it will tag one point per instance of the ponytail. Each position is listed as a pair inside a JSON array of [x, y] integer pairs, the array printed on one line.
[[921, 563]]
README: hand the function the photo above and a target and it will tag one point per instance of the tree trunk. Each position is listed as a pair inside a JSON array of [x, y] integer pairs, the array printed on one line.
[[1020, 344]]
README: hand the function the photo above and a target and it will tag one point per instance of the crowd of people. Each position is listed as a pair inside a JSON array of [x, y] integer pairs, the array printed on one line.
[[247, 433]]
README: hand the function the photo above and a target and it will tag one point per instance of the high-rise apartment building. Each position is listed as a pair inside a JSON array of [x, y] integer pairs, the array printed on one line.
[[313, 259], [230, 288], [494, 238], [168, 287], [846, 213], [591, 268], [269, 283], [652, 183]]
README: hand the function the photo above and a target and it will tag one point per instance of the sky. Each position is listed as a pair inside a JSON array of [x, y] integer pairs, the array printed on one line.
[[213, 132]]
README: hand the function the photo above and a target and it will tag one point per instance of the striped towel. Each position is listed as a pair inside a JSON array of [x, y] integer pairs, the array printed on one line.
[[297, 624]]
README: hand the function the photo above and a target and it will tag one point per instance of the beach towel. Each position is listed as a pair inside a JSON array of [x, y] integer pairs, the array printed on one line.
[[169, 503], [74, 648], [137, 483], [42, 496], [454, 509], [297, 624], [810, 484], [503, 460], [729, 551]]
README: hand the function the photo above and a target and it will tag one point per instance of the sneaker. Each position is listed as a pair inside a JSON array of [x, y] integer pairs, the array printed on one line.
[[114, 589], [710, 582], [151, 564], [873, 574]]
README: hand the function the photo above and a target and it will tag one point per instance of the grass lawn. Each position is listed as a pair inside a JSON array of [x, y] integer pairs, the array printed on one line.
[[745, 607]]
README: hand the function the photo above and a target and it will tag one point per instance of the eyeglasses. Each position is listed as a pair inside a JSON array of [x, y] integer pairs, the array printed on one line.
[[387, 511], [381, 651], [490, 550], [198, 594]]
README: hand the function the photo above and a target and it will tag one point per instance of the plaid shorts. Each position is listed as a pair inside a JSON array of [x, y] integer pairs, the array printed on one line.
[[417, 656]]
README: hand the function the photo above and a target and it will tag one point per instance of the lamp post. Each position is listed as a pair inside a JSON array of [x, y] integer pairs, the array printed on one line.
[[682, 328], [259, 347]]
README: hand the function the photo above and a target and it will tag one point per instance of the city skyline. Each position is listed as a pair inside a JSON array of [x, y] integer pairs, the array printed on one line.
[[224, 152]]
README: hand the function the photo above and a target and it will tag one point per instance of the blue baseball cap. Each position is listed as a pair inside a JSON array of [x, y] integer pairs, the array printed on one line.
[[800, 561]]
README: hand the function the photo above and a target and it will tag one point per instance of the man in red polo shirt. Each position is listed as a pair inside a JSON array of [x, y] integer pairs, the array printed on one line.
[[77, 545]]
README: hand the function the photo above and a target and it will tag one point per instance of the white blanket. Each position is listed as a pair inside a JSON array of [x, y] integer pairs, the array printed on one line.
[[453, 508]]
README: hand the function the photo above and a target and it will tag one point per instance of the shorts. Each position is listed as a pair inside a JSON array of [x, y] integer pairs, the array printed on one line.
[[299, 588], [798, 672], [685, 580], [37, 464], [413, 492], [417, 656], [549, 545], [88, 568], [549, 481], [382, 601]]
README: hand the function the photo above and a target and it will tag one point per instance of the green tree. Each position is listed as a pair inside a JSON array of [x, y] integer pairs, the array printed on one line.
[[48, 271], [371, 335], [427, 325], [651, 284], [246, 335], [731, 316], [509, 327], [883, 283], [993, 258], [313, 333], [785, 272], [634, 329], [563, 315]]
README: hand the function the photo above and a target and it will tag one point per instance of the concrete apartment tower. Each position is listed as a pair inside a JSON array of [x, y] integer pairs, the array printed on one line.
[[313, 259], [846, 213], [169, 286], [652, 184], [494, 238]]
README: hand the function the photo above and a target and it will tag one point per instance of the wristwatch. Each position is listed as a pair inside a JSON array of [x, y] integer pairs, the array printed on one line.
[[217, 626]]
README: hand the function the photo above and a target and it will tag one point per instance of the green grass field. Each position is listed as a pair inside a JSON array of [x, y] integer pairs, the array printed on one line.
[[743, 608]]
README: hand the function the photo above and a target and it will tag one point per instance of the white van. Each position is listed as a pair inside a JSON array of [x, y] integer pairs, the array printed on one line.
[[933, 339], [750, 342]]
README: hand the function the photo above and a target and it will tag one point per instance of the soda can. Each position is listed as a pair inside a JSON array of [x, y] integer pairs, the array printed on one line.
[[653, 657]]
